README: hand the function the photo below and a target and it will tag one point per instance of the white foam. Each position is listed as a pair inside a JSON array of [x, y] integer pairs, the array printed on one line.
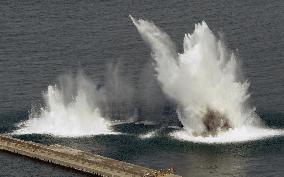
[[150, 134], [241, 134], [145, 122]]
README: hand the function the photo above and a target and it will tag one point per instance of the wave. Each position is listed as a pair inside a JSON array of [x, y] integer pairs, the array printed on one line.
[[241, 134]]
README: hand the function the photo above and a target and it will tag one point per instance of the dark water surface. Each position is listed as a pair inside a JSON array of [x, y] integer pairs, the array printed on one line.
[[39, 40]]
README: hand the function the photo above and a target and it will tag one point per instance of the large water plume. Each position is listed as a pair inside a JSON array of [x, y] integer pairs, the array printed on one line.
[[203, 80], [71, 109]]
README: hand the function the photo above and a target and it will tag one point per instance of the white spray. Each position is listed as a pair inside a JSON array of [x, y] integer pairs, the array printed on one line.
[[204, 76], [70, 110]]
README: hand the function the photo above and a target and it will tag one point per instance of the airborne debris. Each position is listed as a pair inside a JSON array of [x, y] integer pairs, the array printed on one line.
[[214, 122]]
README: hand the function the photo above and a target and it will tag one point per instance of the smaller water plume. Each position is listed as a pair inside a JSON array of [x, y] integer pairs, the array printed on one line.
[[71, 109]]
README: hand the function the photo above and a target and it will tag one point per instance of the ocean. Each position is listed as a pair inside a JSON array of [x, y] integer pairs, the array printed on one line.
[[48, 43]]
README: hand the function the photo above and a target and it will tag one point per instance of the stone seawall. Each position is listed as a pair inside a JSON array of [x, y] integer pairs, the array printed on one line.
[[77, 159]]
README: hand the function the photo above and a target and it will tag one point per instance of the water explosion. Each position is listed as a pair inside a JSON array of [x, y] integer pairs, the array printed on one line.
[[71, 109], [203, 80]]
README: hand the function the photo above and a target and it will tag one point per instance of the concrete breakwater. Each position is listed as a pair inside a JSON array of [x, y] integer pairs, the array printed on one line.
[[77, 159]]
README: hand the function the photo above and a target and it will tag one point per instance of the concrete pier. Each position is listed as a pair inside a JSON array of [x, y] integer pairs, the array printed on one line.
[[78, 160]]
